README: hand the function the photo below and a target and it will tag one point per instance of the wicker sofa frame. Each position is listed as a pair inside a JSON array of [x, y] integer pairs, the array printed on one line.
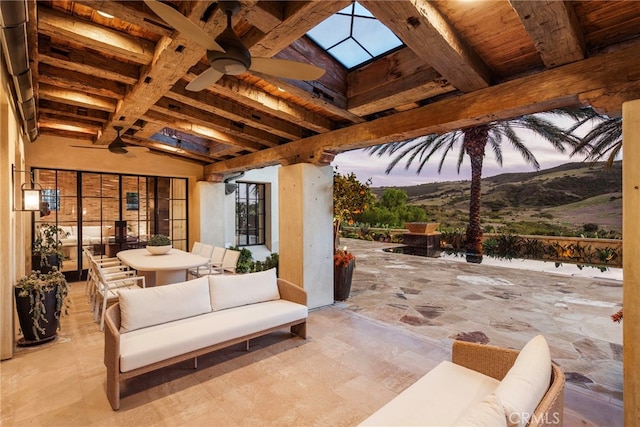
[[288, 291], [495, 362]]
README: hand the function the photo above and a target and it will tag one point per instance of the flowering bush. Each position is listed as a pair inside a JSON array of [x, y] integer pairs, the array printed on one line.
[[342, 258], [350, 197]]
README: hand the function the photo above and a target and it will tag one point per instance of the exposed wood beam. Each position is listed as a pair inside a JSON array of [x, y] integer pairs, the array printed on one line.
[[65, 134], [131, 11], [299, 17], [79, 99], [172, 59], [608, 101], [81, 82], [74, 111], [231, 109], [420, 25], [87, 63], [160, 148], [148, 130], [554, 29], [550, 89], [59, 122], [397, 79], [328, 92], [236, 133], [198, 127], [33, 46], [244, 93], [61, 25]]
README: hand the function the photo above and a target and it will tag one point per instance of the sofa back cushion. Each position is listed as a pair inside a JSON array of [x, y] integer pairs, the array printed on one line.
[[233, 290], [526, 382], [140, 308]]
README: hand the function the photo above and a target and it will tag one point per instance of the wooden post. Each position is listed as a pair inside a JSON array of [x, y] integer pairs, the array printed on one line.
[[631, 266]]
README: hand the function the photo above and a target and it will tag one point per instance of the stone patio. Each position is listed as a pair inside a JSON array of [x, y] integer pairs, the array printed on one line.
[[444, 299]]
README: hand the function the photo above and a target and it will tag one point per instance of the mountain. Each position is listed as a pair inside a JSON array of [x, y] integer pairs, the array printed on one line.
[[567, 196]]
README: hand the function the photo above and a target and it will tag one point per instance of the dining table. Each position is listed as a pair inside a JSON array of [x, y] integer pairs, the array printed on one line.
[[161, 269]]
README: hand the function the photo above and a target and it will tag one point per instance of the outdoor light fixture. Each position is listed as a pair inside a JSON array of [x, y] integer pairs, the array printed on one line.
[[30, 192]]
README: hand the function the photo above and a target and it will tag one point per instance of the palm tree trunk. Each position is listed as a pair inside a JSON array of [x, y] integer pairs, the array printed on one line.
[[475, 140]]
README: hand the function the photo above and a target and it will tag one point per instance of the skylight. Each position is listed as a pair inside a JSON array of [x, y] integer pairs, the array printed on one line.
[[354, 36]]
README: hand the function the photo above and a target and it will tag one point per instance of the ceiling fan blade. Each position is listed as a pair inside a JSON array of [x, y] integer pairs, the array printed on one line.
[[183, 25], [287, 69], [204, 80]]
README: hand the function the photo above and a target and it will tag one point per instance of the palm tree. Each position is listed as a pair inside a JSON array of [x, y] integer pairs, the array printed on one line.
[[604, 139], [473, 142]]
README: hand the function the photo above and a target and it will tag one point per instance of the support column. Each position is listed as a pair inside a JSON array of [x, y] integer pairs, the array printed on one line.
[[212, 219], [306, 229], [631, 255]]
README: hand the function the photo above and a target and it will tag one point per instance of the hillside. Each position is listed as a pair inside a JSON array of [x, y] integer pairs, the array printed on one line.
[[564, 197]]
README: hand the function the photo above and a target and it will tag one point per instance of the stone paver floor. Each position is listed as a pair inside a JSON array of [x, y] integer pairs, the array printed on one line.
[[446, 299]]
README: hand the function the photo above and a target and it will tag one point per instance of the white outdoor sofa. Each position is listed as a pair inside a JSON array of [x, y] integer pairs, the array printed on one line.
[[156, 327], [483, 385]]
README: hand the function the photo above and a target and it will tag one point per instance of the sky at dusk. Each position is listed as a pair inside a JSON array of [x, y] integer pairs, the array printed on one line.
[[365, 166]]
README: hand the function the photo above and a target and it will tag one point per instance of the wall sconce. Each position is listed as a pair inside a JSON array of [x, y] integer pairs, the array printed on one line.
[[30, 192]]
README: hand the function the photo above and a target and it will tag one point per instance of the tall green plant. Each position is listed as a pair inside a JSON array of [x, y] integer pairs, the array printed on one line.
[[603, 140], [473, 142], [350, 197], [47, 243]]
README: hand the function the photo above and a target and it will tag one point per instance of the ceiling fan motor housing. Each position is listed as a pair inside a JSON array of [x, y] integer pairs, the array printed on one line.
[[235, 60]]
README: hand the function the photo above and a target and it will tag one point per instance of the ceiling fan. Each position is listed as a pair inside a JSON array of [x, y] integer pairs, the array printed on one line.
[[117, 146], [227, 54]]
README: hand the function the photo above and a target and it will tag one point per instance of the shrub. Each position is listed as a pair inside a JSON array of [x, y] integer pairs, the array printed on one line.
[[590, 227]]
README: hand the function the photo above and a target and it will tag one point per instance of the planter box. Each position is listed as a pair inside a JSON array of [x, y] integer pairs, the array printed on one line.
[[422, 227]]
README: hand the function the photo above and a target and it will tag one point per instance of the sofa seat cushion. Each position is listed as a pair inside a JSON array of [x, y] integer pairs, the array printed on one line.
[[145, 346], [140, 308], [232, 290], [439, 398]]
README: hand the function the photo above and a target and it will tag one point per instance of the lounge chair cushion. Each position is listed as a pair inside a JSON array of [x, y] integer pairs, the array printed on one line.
[[141, 308], [439, 398], [233, 290], [526, 382]]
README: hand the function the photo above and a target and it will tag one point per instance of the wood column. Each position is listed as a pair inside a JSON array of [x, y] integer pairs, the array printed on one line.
[[305, 206], [631, 255]]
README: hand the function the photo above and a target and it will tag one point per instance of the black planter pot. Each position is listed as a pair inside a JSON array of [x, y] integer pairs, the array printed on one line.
[[32, 336], [474, 257], [52, 261], [342, 276]]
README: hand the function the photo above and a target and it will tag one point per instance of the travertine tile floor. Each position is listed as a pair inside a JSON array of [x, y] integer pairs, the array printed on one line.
[[358, 356]]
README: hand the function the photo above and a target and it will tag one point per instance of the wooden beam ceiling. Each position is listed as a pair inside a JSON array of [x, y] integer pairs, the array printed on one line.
[[91, 73]]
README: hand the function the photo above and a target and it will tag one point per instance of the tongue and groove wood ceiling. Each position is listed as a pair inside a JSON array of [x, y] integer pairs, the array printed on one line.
[[464, 63]]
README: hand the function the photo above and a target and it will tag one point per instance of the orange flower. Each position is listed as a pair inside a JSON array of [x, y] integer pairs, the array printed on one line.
[[342, 258]]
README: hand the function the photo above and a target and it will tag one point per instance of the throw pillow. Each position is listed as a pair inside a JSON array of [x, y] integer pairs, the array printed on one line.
[[140, 308], [233, 290], [527, 381]]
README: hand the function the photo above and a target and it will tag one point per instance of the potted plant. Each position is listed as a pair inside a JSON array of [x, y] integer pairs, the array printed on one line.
[[159, 244], [350, 197], [47, 248], [41, 298], [343, 264]]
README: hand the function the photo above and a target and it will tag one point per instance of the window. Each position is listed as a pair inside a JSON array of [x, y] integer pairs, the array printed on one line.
[[107, 212], [354, 36], [51, 198], [250, 214]]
